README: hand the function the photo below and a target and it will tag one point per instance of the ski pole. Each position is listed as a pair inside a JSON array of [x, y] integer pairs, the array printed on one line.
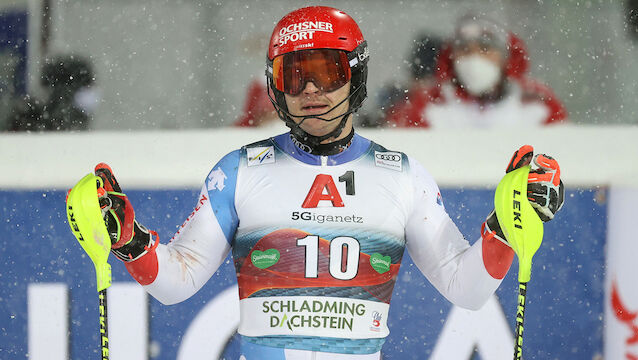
[[523, 230], [520, 318], [85, 219], [104, 326]]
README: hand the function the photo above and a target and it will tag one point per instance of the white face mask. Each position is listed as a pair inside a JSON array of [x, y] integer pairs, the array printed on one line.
[[87, 99], [477, 74]]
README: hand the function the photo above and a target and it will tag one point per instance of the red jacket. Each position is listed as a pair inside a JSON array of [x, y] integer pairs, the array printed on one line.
[[257, 106], [412, 111]]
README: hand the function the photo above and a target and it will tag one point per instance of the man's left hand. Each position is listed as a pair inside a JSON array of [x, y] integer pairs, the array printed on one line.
[[545, 190]]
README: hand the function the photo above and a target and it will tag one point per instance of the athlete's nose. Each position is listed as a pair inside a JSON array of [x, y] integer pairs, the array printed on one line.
[[311, 88]]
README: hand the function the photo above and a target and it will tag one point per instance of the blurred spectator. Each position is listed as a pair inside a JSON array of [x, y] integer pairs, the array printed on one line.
[[481, 82], [71, 98], [423, 59], [422, 65], [632, 18], [258, 110]]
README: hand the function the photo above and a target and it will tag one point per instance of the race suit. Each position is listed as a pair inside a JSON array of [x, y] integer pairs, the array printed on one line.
[[317, 243]]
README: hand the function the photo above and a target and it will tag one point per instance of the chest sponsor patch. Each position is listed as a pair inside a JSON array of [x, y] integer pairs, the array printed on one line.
[[388, 159], [380, 263], [265, 259], [313, 316], [260, 155]]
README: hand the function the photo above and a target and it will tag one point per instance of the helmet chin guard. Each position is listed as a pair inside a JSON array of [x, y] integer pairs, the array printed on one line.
[[319, 27], [312, 141]]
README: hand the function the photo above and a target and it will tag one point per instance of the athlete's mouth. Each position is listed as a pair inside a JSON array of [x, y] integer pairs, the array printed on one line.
[[314, 106]]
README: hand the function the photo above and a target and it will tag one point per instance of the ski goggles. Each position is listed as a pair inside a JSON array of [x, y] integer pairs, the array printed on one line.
[[327, 69]]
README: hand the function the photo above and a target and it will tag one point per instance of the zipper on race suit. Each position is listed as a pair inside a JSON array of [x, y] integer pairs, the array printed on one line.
[[324, 160]]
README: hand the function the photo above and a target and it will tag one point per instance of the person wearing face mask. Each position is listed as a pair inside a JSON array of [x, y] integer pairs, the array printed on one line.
[[71, 101], [421, 61], [482, 82], [318, 218]]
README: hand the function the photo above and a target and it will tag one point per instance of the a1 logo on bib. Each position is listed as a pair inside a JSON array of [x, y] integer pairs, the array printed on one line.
[[323, 188], [380, 263], [388, 159], [265, 259]]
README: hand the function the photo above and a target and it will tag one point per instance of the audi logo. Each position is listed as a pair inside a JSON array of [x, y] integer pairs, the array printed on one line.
[[388, 157], [301, 146]]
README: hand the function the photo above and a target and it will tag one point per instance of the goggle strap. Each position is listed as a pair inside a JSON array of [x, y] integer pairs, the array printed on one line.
[[359, 56]]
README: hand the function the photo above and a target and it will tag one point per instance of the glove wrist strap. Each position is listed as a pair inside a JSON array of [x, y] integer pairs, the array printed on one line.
[[492, 228], [141, 243]]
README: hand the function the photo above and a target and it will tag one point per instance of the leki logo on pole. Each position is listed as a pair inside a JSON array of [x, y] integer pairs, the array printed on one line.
[[516, 206]]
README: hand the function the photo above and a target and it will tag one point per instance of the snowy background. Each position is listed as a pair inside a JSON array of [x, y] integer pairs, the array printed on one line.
[[173, 73], [186, 63]]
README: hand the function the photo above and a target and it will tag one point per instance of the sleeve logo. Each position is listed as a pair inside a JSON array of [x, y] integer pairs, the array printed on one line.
[[260, 155], [388, 159], [216, 180]]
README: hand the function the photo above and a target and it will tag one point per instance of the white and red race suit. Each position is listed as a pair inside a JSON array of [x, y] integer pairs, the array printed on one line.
[[317, 243]]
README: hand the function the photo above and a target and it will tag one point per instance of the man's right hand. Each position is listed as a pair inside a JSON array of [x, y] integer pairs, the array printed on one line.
[[129, 239]]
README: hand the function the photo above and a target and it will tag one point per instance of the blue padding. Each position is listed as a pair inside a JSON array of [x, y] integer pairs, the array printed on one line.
[[565, 299], [221, 183]]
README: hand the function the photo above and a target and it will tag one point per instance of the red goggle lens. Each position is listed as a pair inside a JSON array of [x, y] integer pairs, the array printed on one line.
[[327, 69]]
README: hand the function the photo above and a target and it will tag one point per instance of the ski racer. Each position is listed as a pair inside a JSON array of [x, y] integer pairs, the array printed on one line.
[[318, 218]]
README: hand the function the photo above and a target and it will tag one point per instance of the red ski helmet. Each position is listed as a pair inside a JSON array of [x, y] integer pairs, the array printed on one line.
[[304, 32], [315, 27]]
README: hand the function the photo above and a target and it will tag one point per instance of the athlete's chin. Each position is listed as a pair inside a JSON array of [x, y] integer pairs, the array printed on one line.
[[315, 126], [317, 131]]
